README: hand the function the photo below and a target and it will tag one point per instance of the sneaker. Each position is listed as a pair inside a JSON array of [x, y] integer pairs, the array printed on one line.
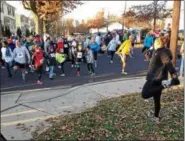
[[26, 72], [63, 74], [93, 74], [111, 62], [59, 67], [125, 73], [89, 72], [156, 119], [72, 66], [3, 67], [78, 74], [166, 83], [39, 82], [131, 56]]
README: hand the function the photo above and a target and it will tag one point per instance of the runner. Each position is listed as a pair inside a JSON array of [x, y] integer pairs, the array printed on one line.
[[148, 43], [95, 48], [79, 58], [21, 57], [157, 76], [112, 47], [73, 50], [61, 58], [124, 52], [38, 59], [133, 43], [90, 60], [51, 58], [7, 57]]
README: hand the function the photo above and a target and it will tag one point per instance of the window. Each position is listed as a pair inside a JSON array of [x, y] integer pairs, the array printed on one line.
[[2, 8], [13, 12], [9, 10]]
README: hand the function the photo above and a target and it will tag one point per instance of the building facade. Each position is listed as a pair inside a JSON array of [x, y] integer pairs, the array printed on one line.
[[24, 23], [8, 16]]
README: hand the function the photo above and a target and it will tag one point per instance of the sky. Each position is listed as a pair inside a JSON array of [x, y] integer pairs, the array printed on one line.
[[90, 8]]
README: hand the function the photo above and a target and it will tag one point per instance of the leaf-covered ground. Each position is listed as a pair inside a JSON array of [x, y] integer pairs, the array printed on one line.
[[122, 118]]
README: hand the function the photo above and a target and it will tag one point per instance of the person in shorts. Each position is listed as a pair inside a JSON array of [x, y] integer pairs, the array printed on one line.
[[21, 57]]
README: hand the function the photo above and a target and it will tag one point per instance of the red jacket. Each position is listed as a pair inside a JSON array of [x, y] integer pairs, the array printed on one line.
[[38, 58], [60, 46]]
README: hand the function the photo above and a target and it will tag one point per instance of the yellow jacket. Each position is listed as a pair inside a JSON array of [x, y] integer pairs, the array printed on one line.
[[125, 47]]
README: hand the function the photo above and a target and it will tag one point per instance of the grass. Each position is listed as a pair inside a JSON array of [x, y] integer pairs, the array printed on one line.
[[122, 118]]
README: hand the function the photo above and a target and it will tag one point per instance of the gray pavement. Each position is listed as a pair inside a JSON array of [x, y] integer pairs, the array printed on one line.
[[21, 113]]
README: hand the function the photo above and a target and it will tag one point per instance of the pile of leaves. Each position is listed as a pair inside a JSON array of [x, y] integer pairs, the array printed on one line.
[[122, 118]]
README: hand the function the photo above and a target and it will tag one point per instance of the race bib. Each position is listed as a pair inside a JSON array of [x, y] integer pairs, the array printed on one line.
[[65, 45], [79, 55], [52, 55], [61, 50], [42, 61], [20, 55]]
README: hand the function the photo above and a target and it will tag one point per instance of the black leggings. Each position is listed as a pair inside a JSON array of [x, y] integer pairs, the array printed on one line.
[[95, 55], [39, 72], [90, 67], [112, 54], [8, 67], [62, 67], [153, 89]]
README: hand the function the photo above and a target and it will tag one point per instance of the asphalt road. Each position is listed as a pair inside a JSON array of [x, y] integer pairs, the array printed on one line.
[[105, 71]]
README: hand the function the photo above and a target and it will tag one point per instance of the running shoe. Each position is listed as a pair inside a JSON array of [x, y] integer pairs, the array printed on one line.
[[111, 62], [166, 83], [156, 119], [89, 72], [26, 72], [63, 74], [3, 67], [123, 72], [59, 67], [72, 66], [171, 82], [93, 74], [39, 82]]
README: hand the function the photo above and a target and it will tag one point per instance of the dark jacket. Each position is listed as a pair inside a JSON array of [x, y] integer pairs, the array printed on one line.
[[160, 65]]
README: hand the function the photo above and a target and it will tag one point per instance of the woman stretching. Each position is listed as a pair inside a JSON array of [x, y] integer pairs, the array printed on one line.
[[124, 52]]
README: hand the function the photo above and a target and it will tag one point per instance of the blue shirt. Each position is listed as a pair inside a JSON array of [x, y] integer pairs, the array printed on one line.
[[148, 42], [95, 47]]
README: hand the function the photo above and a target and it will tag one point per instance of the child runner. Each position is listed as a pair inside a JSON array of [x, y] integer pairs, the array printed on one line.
[[38, 59], [21, 57], [124, 52], [90, 61], [7, 56], [51, 61], [112, 47], [95, 48], [60, 58], [79, 55]]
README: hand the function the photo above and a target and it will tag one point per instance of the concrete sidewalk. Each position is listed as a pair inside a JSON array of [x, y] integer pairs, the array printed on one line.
[[21, 113]]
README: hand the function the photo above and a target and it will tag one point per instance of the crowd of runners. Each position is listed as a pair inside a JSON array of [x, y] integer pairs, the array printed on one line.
[[34, 54]]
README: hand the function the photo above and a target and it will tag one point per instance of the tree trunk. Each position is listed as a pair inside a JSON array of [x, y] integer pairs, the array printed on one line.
[[175, 28]]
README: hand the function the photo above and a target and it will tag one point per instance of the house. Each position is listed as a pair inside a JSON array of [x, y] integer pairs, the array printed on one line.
[[24, 23], [8, 16]]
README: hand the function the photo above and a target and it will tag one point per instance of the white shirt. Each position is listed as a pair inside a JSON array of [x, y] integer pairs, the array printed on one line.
[[6, 58], [98, 40]]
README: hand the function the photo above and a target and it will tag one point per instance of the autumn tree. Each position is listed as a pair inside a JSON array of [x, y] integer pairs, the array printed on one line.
[[152, 12], [44, 11], [82, 27], [99, 20]]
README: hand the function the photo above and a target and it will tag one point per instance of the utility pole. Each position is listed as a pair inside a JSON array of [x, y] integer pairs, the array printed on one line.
[[175, 28], [124, 14], [155, 13]]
